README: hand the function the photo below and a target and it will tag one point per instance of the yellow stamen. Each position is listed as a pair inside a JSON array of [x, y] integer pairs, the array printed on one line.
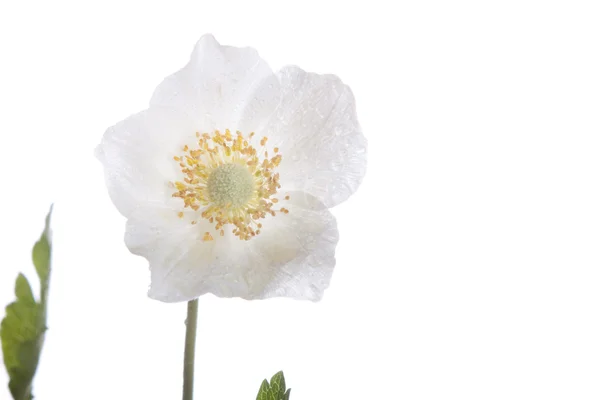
[[225, 179]]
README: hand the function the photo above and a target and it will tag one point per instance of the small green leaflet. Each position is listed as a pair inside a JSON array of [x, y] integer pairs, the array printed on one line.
[[22, 329], [275, 390]]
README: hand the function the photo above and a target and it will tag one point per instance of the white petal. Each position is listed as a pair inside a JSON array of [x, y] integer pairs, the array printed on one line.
[[293, 256], [169, 243], [218, 87], [137, 155], [323, 148]]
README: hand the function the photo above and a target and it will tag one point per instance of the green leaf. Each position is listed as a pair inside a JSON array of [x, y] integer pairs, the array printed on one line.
[[20, 334], [22, 329], [23, 289], [263, 393], [41, 252], [275, 390], [278, 385]]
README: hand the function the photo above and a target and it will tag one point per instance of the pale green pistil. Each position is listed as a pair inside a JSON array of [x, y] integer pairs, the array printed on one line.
[[230, 184]]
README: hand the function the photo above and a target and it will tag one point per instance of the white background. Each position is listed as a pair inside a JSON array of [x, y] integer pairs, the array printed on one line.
[[468, 265]]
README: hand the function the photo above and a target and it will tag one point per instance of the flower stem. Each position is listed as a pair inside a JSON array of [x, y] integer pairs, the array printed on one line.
[[191, 324]]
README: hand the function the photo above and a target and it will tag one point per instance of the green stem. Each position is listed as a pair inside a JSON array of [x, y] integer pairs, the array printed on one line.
[[191, 324]]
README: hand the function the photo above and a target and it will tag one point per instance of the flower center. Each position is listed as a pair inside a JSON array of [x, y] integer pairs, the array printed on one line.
[[230, 184], [228, 181]]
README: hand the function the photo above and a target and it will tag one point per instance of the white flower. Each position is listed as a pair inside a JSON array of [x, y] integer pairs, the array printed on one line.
[[227, 177]]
